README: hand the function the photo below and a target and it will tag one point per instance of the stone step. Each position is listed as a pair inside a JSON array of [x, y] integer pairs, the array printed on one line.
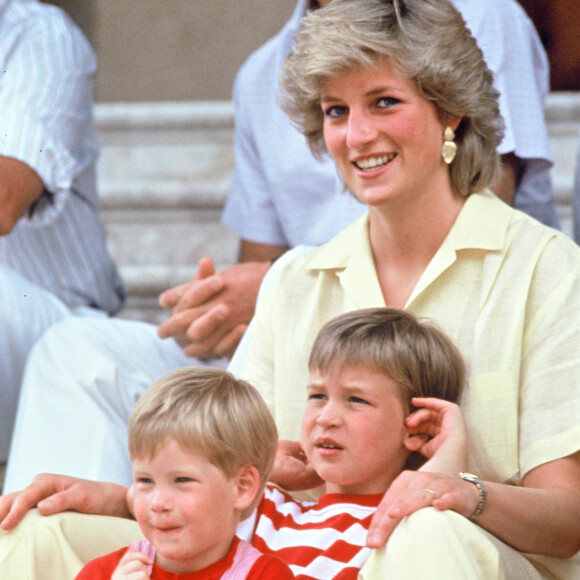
[[563, 118], [164, 174]]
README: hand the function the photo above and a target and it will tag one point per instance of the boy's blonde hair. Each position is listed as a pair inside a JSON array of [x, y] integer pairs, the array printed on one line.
[[206, 410], [419, 357]]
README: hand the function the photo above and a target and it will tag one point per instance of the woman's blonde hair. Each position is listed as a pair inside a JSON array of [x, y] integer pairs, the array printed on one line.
[[206, 410], [425, 41], [418, 356]]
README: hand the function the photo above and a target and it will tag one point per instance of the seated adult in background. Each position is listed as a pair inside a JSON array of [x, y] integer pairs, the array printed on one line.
[[53, 258], [280, 197], [413, 132]]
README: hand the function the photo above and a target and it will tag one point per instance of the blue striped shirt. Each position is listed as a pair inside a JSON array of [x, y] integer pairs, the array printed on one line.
[[46, 121]]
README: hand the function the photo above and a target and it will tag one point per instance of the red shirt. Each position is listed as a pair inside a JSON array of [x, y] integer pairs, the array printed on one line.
[[266, 567]]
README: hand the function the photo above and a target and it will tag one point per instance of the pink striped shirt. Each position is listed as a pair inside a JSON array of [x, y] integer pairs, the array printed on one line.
[[245, 557]]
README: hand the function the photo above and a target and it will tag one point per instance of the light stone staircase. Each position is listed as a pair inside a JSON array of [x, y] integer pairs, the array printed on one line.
[[563, 118], [164, 174]]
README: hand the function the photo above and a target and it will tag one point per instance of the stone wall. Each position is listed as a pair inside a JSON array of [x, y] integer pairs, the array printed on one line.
[[175, 50], [150, 50]]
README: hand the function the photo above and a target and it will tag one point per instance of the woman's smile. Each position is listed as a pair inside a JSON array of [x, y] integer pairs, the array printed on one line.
[[373, 163]]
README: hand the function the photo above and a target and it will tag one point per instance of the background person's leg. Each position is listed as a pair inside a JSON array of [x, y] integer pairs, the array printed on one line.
[[26, 312], [81, 382]]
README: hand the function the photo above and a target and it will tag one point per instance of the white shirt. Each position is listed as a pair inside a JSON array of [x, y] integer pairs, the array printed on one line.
[[46, 121], [281, 195]]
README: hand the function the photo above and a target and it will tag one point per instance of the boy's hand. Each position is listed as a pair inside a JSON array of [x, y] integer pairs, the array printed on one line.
[[291, 468], [52, 494], [439, 433], [133, 566]]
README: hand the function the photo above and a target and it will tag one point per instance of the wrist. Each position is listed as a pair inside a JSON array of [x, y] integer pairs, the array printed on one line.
[[482, 502]]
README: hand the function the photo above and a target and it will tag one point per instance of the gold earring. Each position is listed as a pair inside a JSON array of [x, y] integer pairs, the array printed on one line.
[[449, 149]]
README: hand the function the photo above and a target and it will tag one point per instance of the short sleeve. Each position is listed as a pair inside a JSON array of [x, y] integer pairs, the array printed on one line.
[[250, 198], [550, 380]]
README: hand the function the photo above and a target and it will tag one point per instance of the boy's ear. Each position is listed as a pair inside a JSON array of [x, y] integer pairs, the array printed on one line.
[[247, 484]]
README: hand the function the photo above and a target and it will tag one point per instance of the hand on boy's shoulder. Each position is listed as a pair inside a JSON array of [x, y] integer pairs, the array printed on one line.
[[52, 494], [291, 470]]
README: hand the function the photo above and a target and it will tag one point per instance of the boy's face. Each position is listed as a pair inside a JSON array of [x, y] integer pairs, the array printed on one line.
[[354, 430], [185, 506]]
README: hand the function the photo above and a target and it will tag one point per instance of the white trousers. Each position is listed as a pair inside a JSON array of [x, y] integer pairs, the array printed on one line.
[[82, 380], [428, 545], [26, 312]]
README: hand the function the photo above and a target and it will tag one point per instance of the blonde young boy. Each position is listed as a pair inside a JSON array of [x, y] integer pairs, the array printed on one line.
[[202, 445], [379, 392]]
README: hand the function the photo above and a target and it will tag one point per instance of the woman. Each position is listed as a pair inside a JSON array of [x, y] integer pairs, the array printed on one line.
[[398, 93], [381, 86]]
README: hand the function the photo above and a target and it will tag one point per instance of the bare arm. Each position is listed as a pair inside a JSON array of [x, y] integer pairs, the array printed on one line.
[[211, 312], [255, 252], [56, 493], [542, 516], [507, 184], [20, 186]]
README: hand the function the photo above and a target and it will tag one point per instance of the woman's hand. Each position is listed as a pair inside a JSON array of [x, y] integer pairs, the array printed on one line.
[[133, 566], [52, 494], [414, 490], [291, 468]]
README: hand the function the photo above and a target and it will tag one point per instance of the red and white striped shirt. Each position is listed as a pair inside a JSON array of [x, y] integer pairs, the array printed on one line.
[[318, 540]]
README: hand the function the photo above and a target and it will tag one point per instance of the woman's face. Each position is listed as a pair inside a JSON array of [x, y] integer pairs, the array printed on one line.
[[384, 136]]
